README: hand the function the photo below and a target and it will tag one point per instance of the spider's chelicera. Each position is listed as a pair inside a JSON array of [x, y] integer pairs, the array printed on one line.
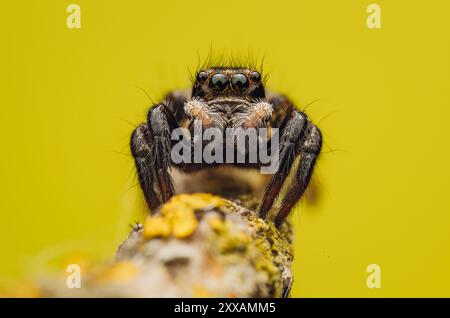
[[244, 125]]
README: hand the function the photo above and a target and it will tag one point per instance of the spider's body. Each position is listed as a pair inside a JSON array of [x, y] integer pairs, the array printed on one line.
[[223, 98]]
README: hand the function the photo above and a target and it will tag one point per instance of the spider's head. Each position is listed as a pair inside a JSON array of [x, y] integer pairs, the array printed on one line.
[[228, 81]]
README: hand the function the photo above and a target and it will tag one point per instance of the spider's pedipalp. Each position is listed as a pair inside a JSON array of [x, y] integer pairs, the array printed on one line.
[[259, 116]]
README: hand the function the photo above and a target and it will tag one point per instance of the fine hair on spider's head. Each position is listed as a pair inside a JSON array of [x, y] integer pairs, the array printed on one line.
[[229, 75], [230, 60]]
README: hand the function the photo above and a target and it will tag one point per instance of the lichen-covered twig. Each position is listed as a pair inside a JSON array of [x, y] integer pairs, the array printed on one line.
[[198, 245]]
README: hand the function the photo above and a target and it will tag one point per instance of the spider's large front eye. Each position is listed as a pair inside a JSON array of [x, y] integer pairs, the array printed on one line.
[[239, 81], [202, 77], [219, 81]]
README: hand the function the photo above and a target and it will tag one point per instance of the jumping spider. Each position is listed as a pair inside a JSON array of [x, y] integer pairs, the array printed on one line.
[[224, 97]]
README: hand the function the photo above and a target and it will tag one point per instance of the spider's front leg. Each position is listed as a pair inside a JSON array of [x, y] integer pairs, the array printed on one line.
[[299, 137], [308, 149], [141, 151], [291, 132], [151, 147]]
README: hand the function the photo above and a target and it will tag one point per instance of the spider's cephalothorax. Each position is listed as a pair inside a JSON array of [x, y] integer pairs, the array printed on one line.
[[223, 98]]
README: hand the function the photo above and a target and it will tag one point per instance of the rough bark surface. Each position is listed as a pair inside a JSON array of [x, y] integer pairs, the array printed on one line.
[[196, 245]]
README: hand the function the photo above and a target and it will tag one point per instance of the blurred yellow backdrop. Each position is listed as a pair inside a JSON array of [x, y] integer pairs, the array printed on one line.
[[70, 99]]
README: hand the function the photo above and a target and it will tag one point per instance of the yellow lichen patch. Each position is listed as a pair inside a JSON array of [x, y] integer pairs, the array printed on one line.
[[274, 251], [156, 226], [217, 224], [198, 201], [173, 206], [264, 246], [120, 272], [228, 241], [183, 223], [178, 215], [234, 243]]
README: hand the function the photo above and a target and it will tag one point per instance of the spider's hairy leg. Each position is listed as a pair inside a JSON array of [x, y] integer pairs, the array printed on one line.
[[151, 146], [140, 149], [174, 103], [309, 150], [159, 132], [291, 134]]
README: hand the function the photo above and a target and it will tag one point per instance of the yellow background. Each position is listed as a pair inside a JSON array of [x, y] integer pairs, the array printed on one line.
[[70, 98]]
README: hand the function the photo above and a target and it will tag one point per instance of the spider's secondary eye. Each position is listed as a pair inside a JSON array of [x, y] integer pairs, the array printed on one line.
[[239, 81], [256, 77], [219, 81], [202, 77]]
